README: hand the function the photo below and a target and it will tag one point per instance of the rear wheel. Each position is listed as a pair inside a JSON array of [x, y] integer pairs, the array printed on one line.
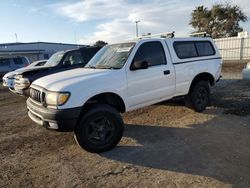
[[100, 129], [199, 96]]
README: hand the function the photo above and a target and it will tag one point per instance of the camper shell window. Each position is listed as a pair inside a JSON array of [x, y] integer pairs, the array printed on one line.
[[191, 49]]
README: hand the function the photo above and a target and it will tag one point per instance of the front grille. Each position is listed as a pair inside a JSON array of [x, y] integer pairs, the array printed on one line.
[[21, 83], [36, 95], [17, 79]]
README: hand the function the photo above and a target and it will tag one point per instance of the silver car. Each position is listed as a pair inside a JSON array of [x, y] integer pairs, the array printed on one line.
[[8, 79], [246, 71], [8, 64]]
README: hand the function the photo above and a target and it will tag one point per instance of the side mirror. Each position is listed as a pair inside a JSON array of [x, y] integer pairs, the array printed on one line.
[[136, 65], [66, 63]]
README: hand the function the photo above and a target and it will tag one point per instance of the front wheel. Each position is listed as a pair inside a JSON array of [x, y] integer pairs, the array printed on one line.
[[199, 96], [100, 129]]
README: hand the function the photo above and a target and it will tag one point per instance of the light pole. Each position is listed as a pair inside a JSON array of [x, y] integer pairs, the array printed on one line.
[[16, 37], [136, 27]]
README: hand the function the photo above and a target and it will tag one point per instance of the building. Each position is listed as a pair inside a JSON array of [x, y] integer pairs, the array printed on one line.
[[34, 50]]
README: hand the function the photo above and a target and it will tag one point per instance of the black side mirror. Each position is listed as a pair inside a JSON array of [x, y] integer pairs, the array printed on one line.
[[136, 65]]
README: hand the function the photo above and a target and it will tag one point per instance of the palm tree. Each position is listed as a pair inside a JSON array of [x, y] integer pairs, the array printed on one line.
[[220, 21]]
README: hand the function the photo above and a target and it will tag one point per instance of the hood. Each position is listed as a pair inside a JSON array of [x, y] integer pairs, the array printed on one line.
[[17, 71], [10, 74], [31, 69], [64, 80]]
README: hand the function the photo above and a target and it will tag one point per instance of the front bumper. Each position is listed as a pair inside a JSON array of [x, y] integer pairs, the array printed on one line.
[[61, 120], [24, 92], [8, 82]]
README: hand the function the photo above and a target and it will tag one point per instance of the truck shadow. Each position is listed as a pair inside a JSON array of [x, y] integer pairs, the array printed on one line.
[[217, 149], [233, 95]]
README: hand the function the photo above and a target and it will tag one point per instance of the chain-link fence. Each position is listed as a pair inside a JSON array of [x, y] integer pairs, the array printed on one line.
[[234, 48]]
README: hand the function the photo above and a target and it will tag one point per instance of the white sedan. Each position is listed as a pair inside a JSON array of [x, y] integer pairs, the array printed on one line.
[[8, 79], [246, 71]]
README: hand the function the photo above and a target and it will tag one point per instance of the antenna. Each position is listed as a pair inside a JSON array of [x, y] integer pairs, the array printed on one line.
[[75, 36]]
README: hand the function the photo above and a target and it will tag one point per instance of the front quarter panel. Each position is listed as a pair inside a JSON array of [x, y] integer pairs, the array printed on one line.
[[82, 91]]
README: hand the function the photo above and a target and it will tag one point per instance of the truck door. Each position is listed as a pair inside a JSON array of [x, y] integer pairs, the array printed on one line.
[[157, 82]]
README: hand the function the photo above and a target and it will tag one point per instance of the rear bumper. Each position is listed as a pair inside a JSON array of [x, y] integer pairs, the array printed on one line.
[[61, 120]]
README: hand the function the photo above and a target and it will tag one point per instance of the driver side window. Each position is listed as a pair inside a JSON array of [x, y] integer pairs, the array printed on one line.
[[152, 52], [73, 58]]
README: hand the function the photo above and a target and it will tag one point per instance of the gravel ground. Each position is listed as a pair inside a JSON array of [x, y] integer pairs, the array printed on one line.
[[164, 145]]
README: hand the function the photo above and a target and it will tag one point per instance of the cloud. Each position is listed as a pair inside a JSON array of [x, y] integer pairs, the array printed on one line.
[[116, 18], [115, 30], [90, 10]]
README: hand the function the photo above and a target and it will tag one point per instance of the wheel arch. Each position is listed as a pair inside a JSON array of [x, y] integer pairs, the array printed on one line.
[[108, 98], [205, 76]]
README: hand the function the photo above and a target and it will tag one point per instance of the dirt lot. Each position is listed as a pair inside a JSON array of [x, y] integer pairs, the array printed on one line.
[[164, 145]]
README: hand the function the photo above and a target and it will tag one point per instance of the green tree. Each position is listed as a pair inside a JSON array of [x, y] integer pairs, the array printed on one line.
[[222, 20], [100, 43]]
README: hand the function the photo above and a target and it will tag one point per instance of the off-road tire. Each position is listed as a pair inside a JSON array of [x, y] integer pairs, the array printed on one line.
[[100, 129], [199, 96]]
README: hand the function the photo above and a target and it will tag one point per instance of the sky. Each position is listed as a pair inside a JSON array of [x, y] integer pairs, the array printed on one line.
[[86, 21]]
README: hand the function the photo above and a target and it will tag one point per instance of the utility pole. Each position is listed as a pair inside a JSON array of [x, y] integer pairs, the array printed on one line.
[[16, 37], [75, 36], [136, 27]]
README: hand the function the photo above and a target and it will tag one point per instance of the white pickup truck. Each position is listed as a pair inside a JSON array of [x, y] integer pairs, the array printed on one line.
[[123, 77]]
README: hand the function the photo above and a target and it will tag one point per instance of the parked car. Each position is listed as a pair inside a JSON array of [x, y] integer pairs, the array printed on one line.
[[246, 71], [8, 79], [8, 64], [123, 77], [58, 62]]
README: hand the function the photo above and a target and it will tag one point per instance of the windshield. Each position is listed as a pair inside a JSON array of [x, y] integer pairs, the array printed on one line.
[[111, 57], [54, 59]]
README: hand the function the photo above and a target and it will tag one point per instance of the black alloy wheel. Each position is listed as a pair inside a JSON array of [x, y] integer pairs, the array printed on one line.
[[100, 129]]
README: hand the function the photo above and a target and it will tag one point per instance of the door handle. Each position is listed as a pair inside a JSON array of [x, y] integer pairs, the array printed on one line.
[[166, 72]]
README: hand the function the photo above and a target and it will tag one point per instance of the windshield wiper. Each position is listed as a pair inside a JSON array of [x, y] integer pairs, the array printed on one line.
[[90, 66], [107, 67]]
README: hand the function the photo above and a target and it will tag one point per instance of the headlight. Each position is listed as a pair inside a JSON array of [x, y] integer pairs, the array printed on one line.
[[18, 76], [11, 77], [24, 81], [56, 99], [248, 65]]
